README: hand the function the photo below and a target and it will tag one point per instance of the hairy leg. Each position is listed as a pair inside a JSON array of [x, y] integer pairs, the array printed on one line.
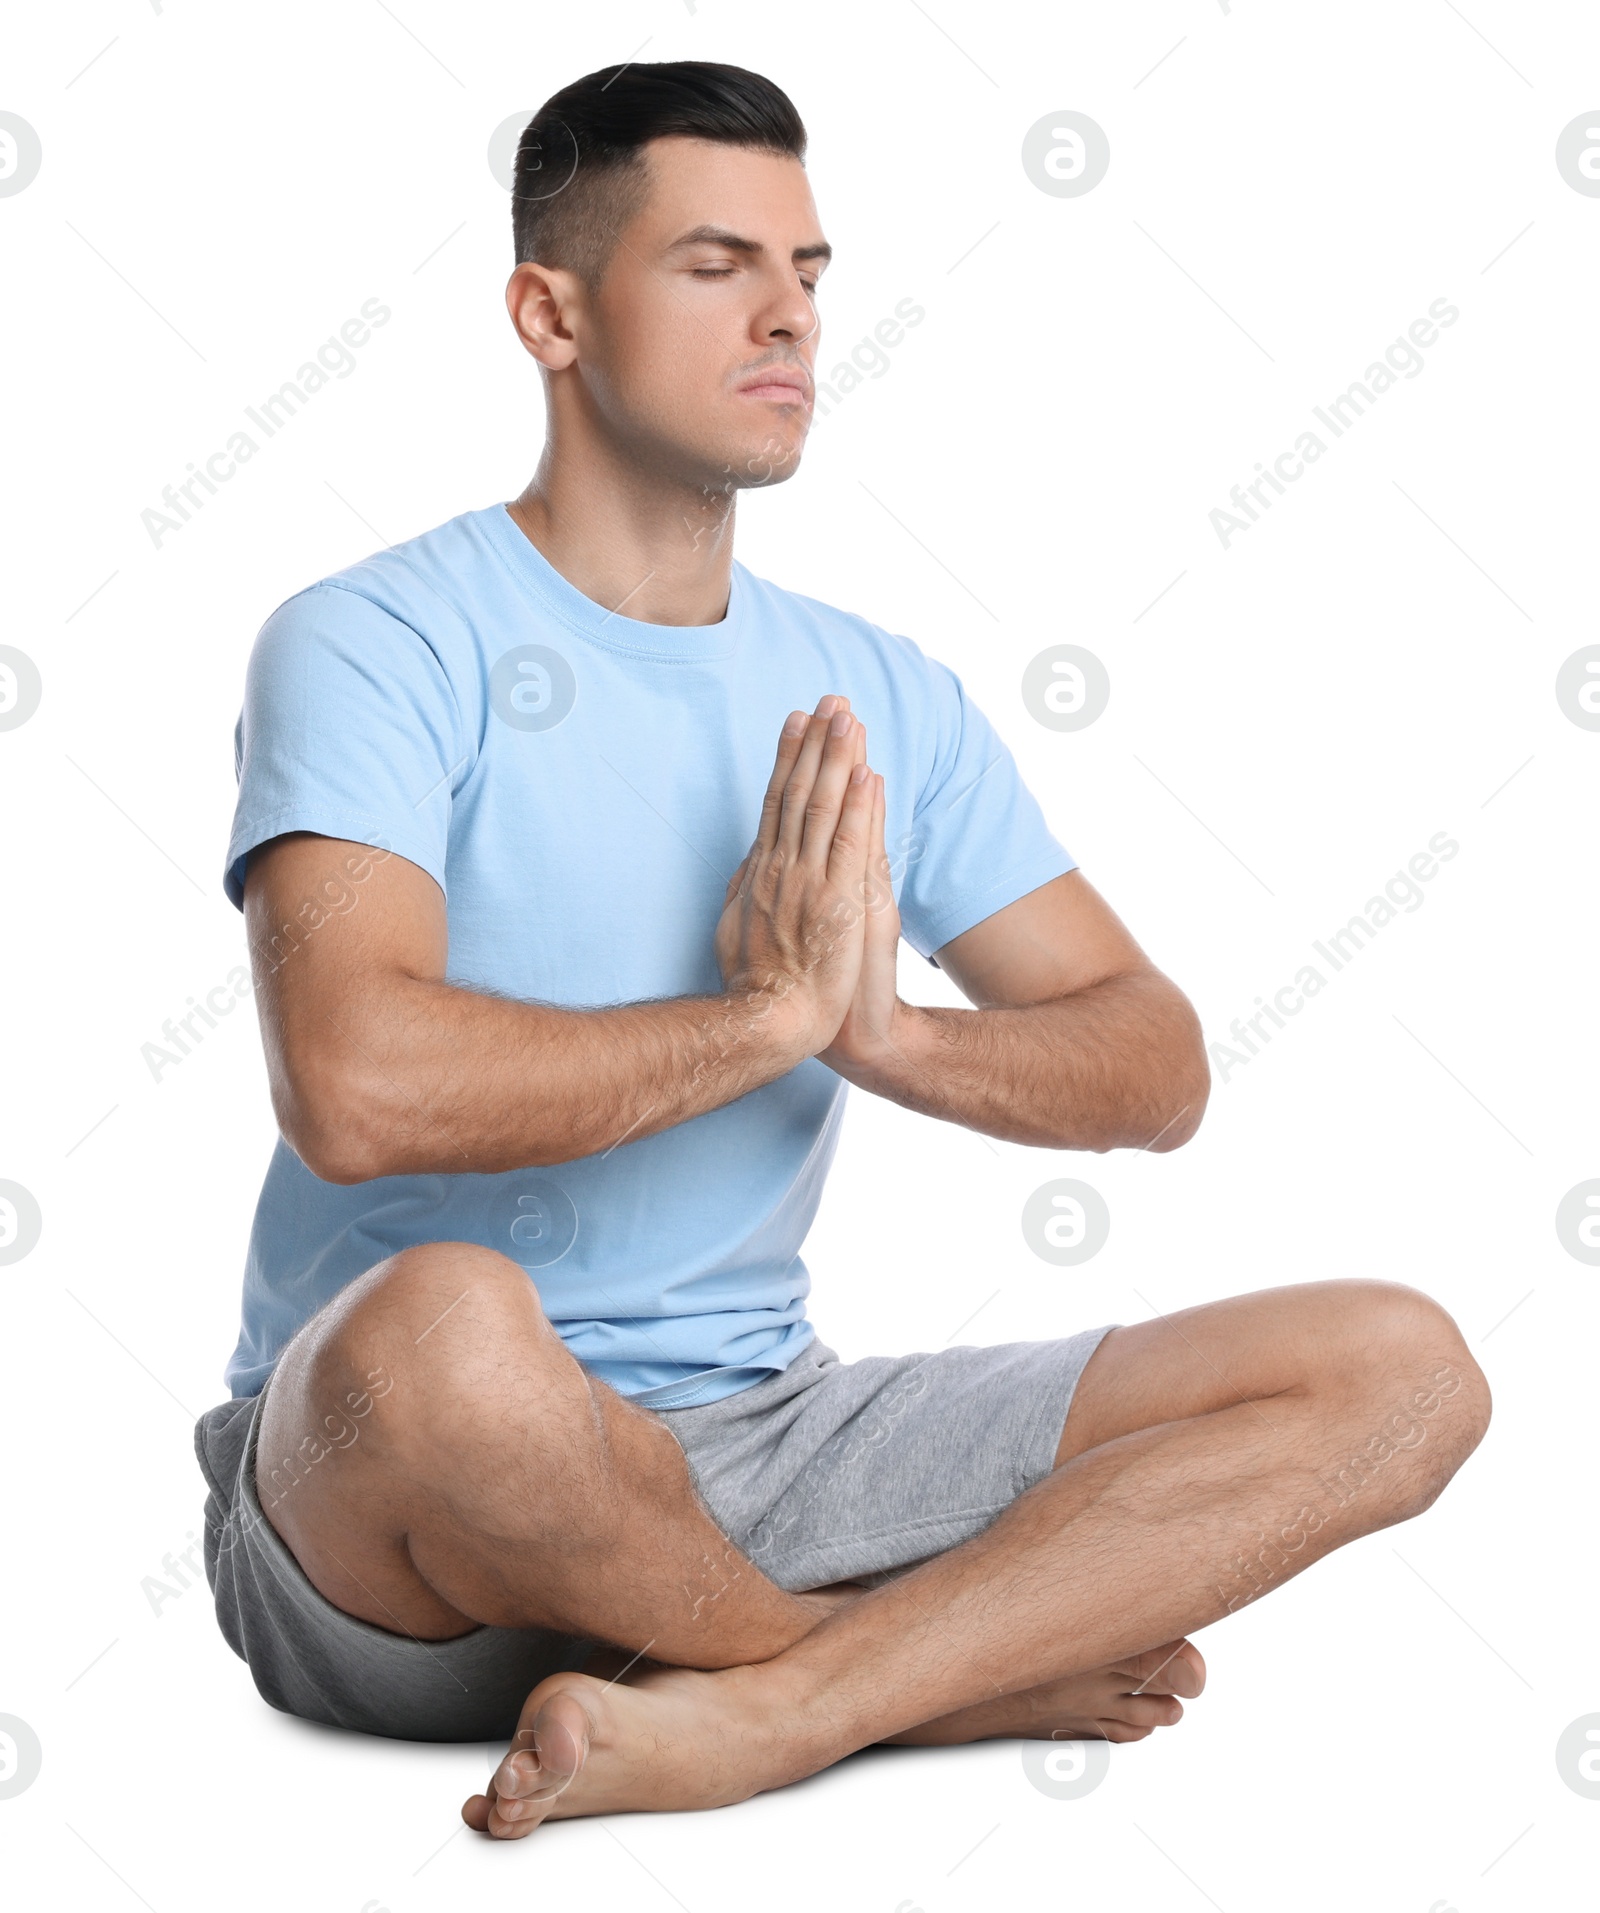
[[435, 1459], [1208, 1458], [1126, 1701]]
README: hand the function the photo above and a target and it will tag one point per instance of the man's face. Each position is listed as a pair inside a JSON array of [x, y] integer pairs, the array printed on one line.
[[698, 347]]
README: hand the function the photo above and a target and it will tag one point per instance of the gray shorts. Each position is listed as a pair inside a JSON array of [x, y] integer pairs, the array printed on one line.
[[828, 1471]]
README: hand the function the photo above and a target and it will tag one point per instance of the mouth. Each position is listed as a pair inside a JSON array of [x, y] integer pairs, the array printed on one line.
[[779, 385]]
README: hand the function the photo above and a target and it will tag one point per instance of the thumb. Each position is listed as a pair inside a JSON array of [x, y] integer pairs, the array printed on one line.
[[737, 878]]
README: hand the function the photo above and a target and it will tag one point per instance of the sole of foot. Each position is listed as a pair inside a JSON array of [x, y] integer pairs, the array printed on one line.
[[667, 1739]]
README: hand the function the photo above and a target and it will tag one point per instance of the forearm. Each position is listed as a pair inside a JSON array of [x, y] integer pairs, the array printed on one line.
[[1118, 1065], [432, 1079]]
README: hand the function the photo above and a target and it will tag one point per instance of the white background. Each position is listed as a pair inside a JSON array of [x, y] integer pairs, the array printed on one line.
[[1374, 662]]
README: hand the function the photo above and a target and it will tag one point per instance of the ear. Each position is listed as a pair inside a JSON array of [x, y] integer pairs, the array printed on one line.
[[544, 302]]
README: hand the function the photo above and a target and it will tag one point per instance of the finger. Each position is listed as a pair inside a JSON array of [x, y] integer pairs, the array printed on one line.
[[847, 856], [880, 889], [803, 775], [797, 726], [822, 810], [790, 738], [737, 879]]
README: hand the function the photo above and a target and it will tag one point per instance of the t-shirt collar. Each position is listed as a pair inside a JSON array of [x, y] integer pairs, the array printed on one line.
[[613, 629]]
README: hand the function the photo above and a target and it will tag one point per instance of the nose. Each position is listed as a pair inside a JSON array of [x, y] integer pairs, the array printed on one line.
[[791, 319]]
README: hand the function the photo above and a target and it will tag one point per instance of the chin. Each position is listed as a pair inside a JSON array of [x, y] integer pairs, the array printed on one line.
[[746, 462], [766, 461]]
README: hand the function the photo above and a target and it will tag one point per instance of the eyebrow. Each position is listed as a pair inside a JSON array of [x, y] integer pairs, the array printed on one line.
[[735, 242]]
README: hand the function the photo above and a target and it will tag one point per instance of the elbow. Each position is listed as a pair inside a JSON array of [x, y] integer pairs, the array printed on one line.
[[334, 1160], [1181, 1125], [1179, 1074], [1183, 1106], [333, 1152], [330, 1127]]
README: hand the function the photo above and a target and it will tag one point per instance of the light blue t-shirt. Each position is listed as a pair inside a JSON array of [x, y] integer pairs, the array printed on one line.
[[581, 786]]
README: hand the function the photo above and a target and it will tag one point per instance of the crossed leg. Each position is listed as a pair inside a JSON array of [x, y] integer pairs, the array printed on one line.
[[493, 1481], [1215, 1454], [1207, 1457]]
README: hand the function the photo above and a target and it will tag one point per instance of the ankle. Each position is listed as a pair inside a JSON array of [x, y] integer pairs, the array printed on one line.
[[784, 1709]]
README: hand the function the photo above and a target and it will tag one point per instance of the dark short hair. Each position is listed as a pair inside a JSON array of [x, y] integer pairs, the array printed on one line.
[[581, 174]]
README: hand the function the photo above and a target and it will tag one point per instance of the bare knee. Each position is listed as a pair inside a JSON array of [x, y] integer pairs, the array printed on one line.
[[1399, 1358], [1401, 1332], [417, 1291], [434, 1332]]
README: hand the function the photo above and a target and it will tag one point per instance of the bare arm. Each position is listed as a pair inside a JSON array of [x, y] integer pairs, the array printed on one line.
[[379, 1067], [1077, 1041]]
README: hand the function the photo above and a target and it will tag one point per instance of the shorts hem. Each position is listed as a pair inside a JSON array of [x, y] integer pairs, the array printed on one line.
[[883, 1551]]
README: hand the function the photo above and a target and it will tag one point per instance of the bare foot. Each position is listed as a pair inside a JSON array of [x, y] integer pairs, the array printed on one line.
[[671, 1739], [667, 1739], [1126, 1701]]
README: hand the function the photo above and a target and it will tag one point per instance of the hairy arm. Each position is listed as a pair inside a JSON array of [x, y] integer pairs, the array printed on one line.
[[1076, 1040], [379, 1067]]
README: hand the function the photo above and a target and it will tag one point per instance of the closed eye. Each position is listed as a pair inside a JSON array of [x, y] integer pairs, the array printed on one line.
[[727, 272]]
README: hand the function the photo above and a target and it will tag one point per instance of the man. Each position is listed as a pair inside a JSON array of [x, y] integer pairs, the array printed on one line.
[[567, 940]]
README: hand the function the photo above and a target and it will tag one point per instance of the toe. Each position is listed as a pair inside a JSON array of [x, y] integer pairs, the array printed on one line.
[[1185, 1672], [561, 1732], [1147, 1710], [546, 1756], [1176, 1668]]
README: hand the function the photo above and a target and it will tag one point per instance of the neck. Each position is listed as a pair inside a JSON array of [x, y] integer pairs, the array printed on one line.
[[647, 547]]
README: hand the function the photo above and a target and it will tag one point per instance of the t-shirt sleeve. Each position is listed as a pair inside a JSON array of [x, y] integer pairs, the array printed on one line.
[[978, 838], [350, 728]]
